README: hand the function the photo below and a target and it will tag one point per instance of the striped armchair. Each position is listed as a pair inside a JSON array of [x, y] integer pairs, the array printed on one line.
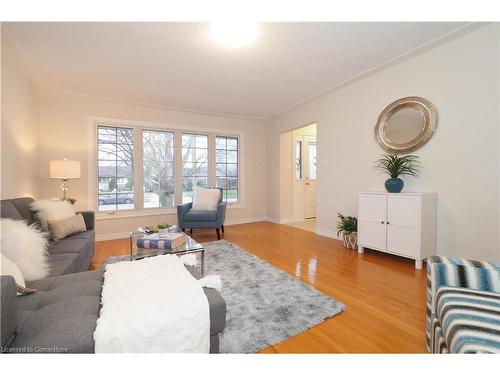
[[463, 306]]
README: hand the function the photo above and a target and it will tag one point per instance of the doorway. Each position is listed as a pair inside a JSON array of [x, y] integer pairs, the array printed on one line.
[[304, 177]]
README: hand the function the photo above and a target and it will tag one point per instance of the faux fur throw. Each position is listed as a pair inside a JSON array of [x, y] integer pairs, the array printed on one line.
[[153, 305], [26, 247]]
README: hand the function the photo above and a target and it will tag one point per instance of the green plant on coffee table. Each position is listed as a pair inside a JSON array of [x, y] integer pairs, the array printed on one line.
[[156, 228], [396, 165], [346, 224]]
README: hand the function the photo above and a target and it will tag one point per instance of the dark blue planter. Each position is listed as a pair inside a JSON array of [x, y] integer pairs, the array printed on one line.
[[394, 185]]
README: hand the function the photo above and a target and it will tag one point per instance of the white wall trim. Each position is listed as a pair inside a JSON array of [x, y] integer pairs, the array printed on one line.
[[117, 236], [111, 236], [276, 220], [327, 233]]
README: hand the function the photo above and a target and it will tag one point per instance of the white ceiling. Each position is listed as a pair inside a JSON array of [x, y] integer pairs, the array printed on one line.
[[177, 65]]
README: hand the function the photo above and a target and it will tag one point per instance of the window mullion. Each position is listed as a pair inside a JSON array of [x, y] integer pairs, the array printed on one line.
[[178, 166], [138, 170], [212, 179]]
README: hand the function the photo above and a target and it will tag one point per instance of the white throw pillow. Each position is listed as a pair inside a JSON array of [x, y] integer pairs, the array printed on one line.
[[8, 267], [205, 199], [52, 210], [26, 247]]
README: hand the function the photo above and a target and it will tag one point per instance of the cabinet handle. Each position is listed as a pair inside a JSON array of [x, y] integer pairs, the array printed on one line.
[[388, 223], [381, 222]]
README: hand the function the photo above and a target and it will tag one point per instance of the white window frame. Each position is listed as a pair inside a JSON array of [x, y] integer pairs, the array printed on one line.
[[138, 126]]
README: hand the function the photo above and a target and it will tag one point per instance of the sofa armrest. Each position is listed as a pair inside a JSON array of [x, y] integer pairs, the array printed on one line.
[[181, 211], [89, 218], [9, 311], [463, 273]]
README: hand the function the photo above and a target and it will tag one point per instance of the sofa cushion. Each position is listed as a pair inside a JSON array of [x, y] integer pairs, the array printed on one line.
[[469, 320], [61, 264], [61, 316], [23, 206], [68, 245], [200, 216], [9, 211]]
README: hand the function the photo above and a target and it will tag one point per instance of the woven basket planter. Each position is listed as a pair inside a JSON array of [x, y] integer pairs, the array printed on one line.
[[351, 240]]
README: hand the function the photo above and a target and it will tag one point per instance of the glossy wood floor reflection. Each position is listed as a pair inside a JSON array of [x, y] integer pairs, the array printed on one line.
[[384, 294]]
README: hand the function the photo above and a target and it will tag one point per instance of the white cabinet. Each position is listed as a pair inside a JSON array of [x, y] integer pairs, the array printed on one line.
[[401, 224]]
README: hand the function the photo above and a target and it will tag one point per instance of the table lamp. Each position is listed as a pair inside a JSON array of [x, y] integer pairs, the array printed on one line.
[[64, 170]]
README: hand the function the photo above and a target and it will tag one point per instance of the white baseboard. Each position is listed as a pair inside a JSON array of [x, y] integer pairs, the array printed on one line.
[[276, 220], [111, 236], [327, 233], [118, 236], [245, 220]]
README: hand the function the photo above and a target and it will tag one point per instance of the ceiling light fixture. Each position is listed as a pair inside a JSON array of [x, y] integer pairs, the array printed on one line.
[[234, 34]]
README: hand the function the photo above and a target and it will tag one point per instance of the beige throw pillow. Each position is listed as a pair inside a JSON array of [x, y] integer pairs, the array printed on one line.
[[66, 227]]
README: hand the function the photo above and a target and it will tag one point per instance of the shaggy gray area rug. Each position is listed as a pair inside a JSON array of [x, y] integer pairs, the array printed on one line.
[[265, 305]]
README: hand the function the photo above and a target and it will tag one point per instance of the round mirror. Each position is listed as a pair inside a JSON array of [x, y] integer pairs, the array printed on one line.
[[406, 125]]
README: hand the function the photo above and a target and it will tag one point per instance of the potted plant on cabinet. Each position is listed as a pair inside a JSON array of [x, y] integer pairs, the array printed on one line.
[[396, 166], [348, 226]]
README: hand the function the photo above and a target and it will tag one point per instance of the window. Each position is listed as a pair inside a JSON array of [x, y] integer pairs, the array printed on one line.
[[194, 164], [298, 160], [226, 167], [312, 160], [158, 168], [115, 168], [148, 169]]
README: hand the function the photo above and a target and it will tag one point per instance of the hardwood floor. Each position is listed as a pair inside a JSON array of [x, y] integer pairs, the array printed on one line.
[[384, 294]]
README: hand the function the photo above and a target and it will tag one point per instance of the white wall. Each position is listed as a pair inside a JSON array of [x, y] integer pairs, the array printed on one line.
[[64, 124], [19, 132], [461, 162]]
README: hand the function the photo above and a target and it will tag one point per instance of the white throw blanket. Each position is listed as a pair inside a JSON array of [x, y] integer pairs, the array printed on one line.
[[152, 305]]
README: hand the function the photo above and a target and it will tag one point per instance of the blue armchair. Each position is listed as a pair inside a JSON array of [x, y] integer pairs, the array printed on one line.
[[189, 219]]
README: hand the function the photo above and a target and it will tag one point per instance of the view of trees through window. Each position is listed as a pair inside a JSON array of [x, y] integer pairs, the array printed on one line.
[[116, 188], [115, 168], [194, 164], [226, 165], [158, 168]]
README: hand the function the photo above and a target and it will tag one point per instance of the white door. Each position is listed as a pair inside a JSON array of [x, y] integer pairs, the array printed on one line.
[[310, 177], [371, 221], [403, 216]]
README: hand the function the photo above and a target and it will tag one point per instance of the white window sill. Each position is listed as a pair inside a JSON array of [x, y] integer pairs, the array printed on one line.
[[153, 212]]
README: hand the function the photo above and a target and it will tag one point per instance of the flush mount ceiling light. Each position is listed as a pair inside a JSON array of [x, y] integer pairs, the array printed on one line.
[[234, 34]]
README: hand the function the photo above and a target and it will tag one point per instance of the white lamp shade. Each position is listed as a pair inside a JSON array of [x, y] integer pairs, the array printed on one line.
[[64, 169]]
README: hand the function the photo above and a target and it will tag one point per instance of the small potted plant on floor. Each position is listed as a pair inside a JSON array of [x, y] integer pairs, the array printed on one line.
[[396, 166], [348, 226]]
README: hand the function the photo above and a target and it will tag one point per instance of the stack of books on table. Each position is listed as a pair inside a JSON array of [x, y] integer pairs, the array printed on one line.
[[163, 241]]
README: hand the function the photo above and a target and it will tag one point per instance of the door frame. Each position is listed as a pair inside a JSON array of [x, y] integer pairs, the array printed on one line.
[[298, 214]]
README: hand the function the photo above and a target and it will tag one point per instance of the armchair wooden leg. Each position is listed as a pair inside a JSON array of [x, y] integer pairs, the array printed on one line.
[[222, 227], [191, 231], [218, 233]]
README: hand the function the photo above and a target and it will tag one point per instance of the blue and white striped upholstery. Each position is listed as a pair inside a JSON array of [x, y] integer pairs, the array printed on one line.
[[469, 320], [465, 275]]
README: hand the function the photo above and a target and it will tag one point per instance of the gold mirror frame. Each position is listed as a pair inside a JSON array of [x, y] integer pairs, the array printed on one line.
[[425, 107]]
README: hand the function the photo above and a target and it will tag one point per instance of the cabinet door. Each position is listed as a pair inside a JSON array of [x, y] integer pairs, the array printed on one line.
[[371, 221], [403, 225]]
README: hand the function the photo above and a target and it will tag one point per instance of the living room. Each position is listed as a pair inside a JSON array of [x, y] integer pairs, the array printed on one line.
[[175, 157]]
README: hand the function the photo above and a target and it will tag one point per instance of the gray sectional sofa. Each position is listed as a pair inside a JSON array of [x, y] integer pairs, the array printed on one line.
[[61, 316], [69, 255]]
